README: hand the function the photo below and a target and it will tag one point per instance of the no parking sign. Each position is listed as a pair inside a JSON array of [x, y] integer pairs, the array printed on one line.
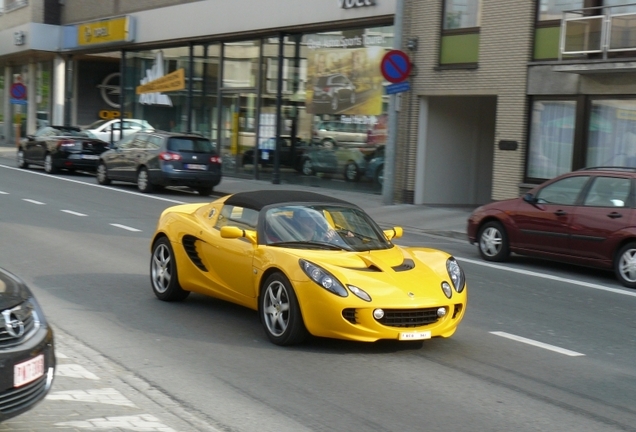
[[18, 93]]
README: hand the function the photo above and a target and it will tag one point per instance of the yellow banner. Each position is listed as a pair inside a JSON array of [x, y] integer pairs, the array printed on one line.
[[172, 82], [100, 32]]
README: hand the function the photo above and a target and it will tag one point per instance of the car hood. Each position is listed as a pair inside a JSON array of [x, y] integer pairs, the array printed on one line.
[[12, 290], [386, 273]]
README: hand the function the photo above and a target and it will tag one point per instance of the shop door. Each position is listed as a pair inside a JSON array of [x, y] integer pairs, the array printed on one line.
[[238, 132]]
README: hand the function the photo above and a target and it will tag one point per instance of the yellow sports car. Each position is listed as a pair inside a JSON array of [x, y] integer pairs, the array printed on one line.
[[309, 264]]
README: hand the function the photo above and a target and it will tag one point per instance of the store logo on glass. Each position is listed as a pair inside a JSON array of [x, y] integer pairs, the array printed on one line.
[[350, 4]]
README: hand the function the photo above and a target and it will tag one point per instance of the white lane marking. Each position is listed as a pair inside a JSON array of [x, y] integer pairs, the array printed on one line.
[[74, 371], [144, 422], [48, 176], [126, 227], [73, 213], [108, 396], [33, 201], [537, 344], [630, 293], [4, 193]]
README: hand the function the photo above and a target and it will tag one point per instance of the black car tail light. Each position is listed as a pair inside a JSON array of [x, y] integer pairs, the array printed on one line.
[[169, 156], [215, 159]]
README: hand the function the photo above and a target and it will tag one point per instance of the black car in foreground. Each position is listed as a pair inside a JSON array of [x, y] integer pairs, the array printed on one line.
[[27, 356], [61, 147], [155, 159]]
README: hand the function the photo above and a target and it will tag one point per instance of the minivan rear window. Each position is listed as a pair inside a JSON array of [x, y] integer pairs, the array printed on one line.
[[190, 145]]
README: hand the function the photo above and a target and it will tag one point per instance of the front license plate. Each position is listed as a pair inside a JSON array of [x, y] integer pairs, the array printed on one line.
[[415, 335], [199, 167], [90, 157], [30, 370]]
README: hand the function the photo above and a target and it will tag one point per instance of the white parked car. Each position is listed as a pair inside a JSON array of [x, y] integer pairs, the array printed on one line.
[[102, 128]]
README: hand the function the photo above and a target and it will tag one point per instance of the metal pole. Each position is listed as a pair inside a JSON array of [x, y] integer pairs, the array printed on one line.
[[391, 143], [69, 90], [279, 101]]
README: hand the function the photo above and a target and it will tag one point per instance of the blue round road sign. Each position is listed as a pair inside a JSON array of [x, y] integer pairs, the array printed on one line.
[[18, 91], [395, 66]]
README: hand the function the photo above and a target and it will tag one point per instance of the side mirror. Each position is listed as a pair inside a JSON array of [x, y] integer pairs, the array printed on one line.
[[232, 232], [529, 198], [393, 233]]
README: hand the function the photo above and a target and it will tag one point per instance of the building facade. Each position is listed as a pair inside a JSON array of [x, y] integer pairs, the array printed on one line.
[[506, 95], [240, 73]]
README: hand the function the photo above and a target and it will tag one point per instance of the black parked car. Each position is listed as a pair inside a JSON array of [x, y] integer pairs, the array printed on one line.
[[27, 356], [61, 147], [155, 159]]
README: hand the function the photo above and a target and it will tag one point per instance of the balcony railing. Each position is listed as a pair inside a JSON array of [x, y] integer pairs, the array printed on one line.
[[600, 31]]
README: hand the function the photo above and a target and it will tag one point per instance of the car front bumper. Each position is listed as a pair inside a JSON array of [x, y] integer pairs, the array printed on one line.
[[328, 315]]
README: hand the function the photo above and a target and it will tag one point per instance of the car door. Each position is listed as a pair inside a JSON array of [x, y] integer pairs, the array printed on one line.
[[229, 261], [133, 155], [543, 225], [115, 159], [595, 230], [35, 146]]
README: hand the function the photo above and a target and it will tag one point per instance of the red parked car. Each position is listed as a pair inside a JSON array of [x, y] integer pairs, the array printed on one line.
[[585, 217]]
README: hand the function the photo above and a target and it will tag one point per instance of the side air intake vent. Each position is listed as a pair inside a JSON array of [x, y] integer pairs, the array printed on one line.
[[191, 251]]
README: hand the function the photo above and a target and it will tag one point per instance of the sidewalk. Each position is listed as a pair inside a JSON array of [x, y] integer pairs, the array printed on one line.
[[448, 221]]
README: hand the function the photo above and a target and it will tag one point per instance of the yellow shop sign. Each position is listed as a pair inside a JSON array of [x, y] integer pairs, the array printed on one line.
[[172, 82], [106, 31]]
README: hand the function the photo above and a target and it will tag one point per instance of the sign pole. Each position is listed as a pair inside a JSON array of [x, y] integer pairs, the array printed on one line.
[[390, 149]]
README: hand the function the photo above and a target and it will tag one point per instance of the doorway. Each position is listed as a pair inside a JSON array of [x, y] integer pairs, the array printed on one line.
[[237, 134]]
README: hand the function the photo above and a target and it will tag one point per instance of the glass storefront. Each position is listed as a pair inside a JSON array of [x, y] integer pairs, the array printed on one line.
[[333, 111]]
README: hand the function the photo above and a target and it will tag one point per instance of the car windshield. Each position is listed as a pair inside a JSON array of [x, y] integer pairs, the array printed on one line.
[[190, 145], [334, 227]]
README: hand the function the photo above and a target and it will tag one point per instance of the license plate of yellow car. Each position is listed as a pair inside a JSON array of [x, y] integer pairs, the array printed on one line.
[[415, 335]]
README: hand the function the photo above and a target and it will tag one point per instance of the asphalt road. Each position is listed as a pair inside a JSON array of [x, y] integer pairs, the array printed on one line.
[[543, 347]]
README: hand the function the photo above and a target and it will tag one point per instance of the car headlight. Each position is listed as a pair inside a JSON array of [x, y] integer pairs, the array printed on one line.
[[323, 278], [456, 274], [359, 292]]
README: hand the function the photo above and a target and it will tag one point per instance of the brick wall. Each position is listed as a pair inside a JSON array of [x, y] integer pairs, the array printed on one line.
[[506, 39]]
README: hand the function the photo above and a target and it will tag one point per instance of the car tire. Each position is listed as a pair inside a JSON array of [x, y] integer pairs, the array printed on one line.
[[164, 277], [20, 160], [205, 191], [143, 181], [307, 167], [493, 242], [102, 174], [49, 168], [379, 175], [280, 313], [351, 172], [625, 265]]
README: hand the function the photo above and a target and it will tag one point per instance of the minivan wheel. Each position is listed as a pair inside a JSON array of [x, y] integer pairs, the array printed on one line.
[[102, 174], [48, 164], [351, 173], [143, 181], [20, 158], [493, 242], [625, 265]]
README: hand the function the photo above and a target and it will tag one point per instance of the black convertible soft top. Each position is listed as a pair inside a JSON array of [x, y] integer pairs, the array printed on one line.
[[258, 199]]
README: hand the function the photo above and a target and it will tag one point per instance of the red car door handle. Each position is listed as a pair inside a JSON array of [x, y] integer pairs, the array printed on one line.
[[560, 213], [614, 215]]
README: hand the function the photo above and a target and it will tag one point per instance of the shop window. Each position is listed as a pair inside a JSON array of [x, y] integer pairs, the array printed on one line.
[[612, 133], [551, 138], [460, 35]]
